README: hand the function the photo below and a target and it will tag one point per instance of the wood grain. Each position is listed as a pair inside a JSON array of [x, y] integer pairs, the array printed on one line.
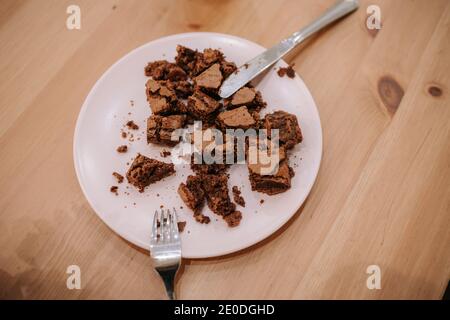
[[382, 195]]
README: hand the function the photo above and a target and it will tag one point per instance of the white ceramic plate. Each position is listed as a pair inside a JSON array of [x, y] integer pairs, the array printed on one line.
[[107, 108]]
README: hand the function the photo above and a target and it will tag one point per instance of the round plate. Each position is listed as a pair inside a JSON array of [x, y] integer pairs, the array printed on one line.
[[119, 96]]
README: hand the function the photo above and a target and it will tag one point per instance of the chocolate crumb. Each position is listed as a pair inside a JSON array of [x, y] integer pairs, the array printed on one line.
[[124, 134], [122, 149], [289, 71], [131, 125], [118, 176], [161, 206], [261, 201], [181, 225], [114, 189], [165, 153]]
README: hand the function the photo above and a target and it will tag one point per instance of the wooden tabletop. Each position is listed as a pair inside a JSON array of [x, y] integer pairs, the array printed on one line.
[[382, 196]]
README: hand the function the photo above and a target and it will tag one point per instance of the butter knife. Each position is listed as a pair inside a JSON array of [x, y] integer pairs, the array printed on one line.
[[254, 67]]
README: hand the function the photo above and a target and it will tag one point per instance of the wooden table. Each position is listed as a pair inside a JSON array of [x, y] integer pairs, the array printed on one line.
[[381, 197]]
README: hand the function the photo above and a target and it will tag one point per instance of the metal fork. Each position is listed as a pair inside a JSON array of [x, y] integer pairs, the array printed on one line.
[[165, 248]]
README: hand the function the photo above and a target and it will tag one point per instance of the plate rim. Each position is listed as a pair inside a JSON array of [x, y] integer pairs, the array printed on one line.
[[132, 239]]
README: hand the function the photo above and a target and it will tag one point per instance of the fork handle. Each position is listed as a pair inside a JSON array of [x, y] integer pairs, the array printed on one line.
[[168, 277]]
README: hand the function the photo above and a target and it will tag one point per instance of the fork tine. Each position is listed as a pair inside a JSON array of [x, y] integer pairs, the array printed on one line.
[[174, 233], [164, 224], [154, 234]]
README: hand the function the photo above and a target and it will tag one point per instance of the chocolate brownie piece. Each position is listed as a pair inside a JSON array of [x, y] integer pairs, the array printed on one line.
[[216, 191], [246, 96], [233, 219], [272, 184], [181, 225], [202, 106], [236, 118], [186, 58], [213, 168], [194, 62], [227, 68], [164, 70], [287, 124], [210, 79], [145, 171], [164, 96], [161, 128], [192, 193], [237, 197]]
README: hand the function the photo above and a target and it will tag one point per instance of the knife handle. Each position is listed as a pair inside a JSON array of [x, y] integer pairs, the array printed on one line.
[[339, 10]]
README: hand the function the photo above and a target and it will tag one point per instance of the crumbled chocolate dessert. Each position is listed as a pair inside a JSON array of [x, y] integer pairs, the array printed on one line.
[[131, 125], [194, 62], [145, 171], [192, 193], [213, 168], [114, 189], [247, 96], [201, 218], [164, 70], [236, 118], [237, 197], [202, 106], [210, 79], [122, 149], [118, 176], [233, 219], [227, 68], [289, 130], [163, 96], [181, 225], [160, 129], [289, 71], [271, 184], [165, 153], [216, 191]]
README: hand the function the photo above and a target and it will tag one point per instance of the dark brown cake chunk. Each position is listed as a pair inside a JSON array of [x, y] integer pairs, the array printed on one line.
[[233, 219], [246, 96], [181, 225], [194, 62], [287, 124], [216, 191], [164, 70], [237, 197], [164, 96], [236, 118], [202, 106], [145, 171], [210, 79], [160, 128], [272, 184], [192, 193]]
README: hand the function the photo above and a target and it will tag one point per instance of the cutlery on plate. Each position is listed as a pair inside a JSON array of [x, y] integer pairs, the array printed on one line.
[[254, 67], [165, 247]]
